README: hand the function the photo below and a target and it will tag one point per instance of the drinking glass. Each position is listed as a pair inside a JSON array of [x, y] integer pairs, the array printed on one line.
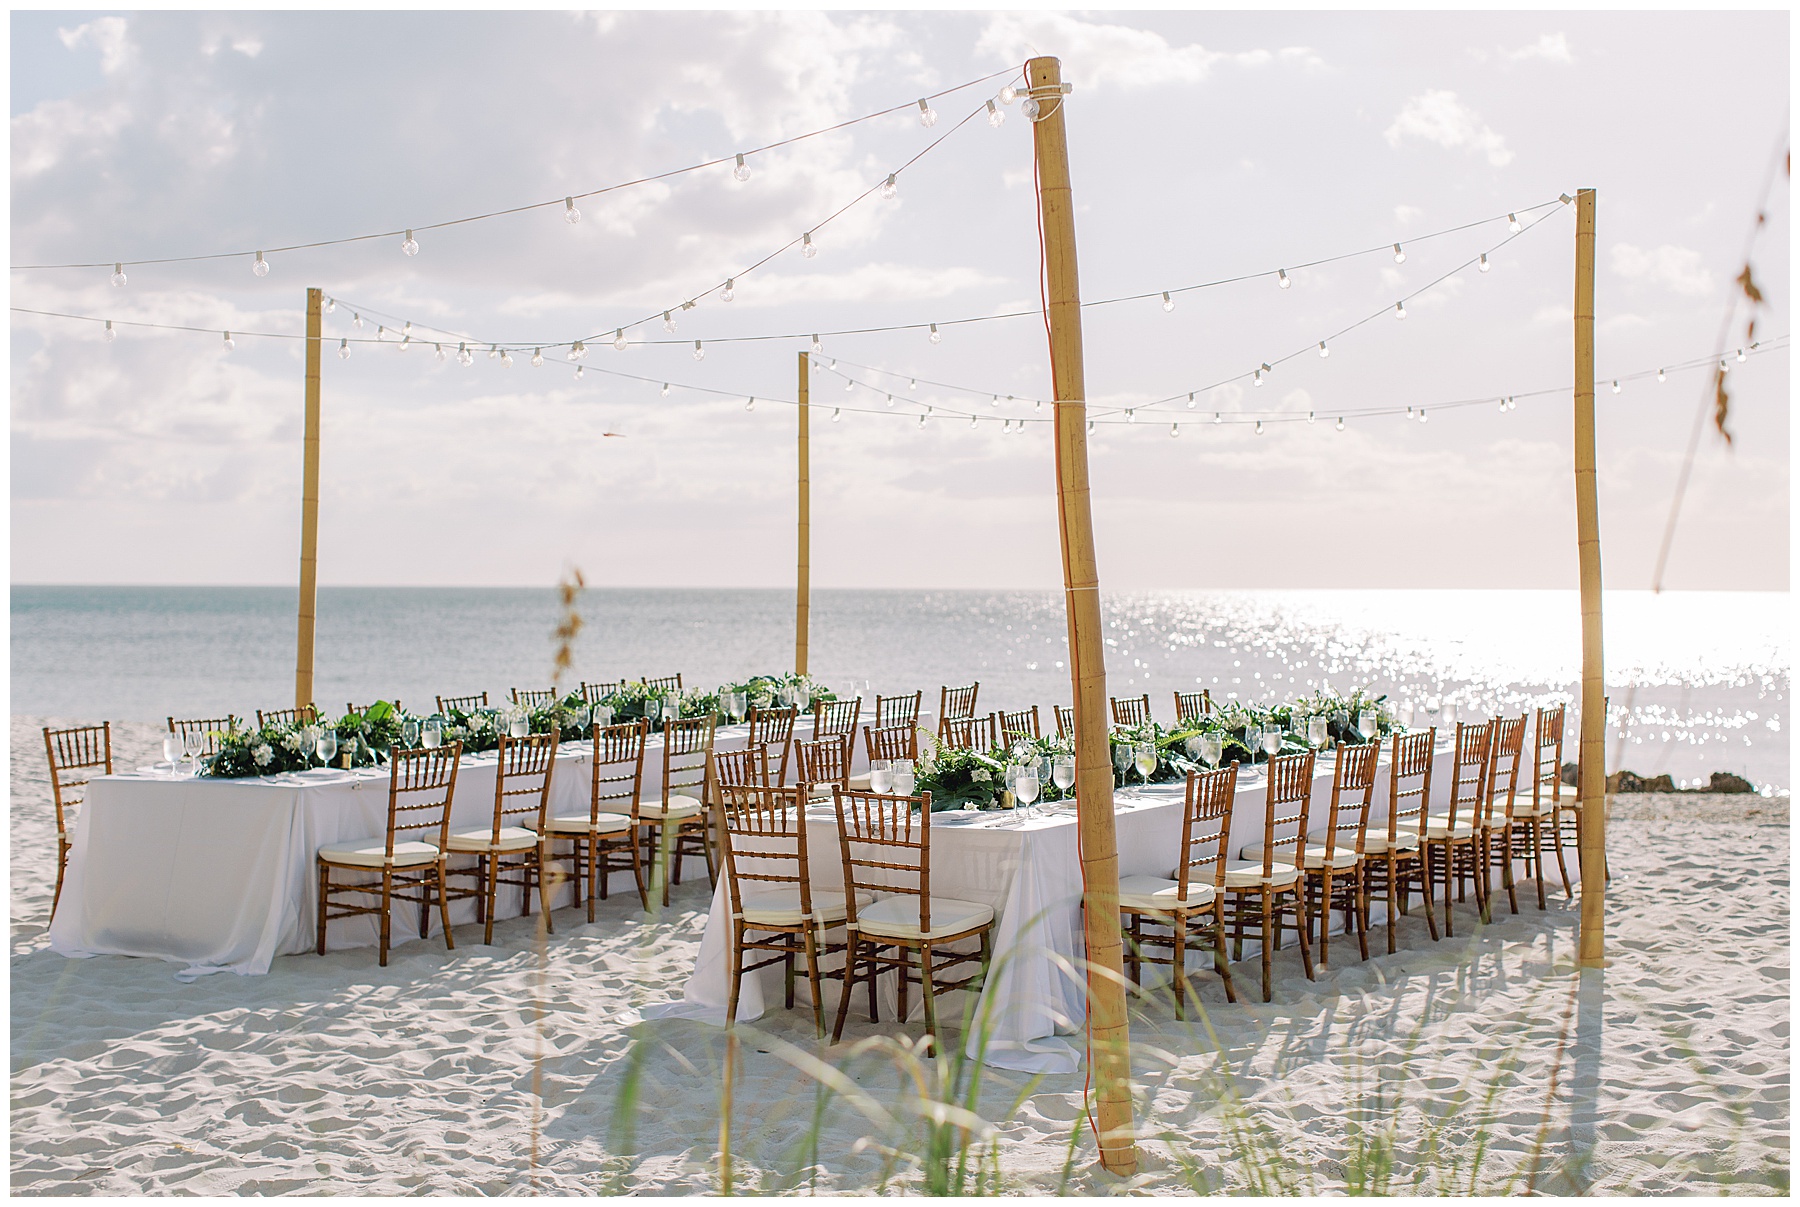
[[193, 742], [1271, 741], [671, 709], [1062, 774], [603, 715], [327, 746], [583, 714], [1145, 757], [904, 780], [1449, 715], [1318, 731], [172, 752], [1212, 748], [881, 777], [431, 734], [519, 724], [1025, 788], [1368, 723], [802, 698], [409, 733]]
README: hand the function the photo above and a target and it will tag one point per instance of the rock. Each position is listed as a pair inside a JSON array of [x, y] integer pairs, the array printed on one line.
[[1724, 781], [1625, 781], [1571, 774]]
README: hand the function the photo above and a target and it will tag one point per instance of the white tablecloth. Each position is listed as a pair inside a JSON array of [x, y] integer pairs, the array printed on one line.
[[219, 875], [1030, 873]]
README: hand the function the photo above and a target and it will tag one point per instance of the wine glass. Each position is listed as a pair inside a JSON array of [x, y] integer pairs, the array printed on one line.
[[1062, 774], [1318, 731], [1010, 778], [431, 734], [327, 746], [584, 712], [603, 715], [1025, 788], [881, 776], [904, 780], [409, 733], [1271, 741], [802, 698], [172, 752], [1368, 724], [194, 743], [1145, 757], [1212, 748]]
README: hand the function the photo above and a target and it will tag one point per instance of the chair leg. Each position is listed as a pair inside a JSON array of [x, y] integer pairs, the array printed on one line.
[[543, 883], [62, 866], [1393, 890], [1306, 958], [1359, 891], [925, 989], [443, 898], [424, 905], [1424, 869], [812, 976], [387, 912], [1506, 869], [1561, 865], [1179, 965], [1324, 916], [324, 894], [490, 890], [851, 946], [904, 971], [1537, 857], [1268, 949], [592, 867], [1219, 960], [734, 958]]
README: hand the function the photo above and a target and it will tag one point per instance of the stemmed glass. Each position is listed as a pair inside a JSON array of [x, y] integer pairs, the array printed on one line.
[[409, 733], [1025, 789], [1212, 748], [603, 715], [172, 752], [584, 712], [431, 734], [1318, 732], [802, 698], [1145, 757], [881, 776], [327, 746], [904, 780], [1368, 724], [193, 742], [1271, 740], [1062, 774]]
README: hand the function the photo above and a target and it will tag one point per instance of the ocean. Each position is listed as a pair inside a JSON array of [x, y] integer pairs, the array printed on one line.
[[1705, 675]]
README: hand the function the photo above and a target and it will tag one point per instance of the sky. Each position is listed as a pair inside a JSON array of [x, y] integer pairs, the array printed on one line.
[[1203, 147]]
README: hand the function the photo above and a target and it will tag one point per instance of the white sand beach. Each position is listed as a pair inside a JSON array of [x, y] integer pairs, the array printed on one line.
[[1481, 1064]]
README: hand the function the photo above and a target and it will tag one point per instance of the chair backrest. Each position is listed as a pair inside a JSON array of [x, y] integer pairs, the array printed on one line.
[[957, 702], [1468, 777], [421, 789], [1352, 794], [534, 699], [83, 748], [287, 716], [1289, 801], [886, 844], [897, 710], [1021, 724], [1503, 768], [836, 718], [687, 752], [892, 741], [766, 825], [593, 693], [1409, 783], [362, 708], [969, 733], [1132, 710], [670, 683], [746, 768], [1546, 757], [462, 703], [1191, 706], [1206, 828], [210, 729], [618, 768], [522, 781], [1065, 720], [773, 730], [825, 761]]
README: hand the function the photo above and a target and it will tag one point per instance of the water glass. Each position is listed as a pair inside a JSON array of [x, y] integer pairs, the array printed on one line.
[[1212, 748], [1271, 741], [1062, 773], [1368, 723], [1145, 757], [802, 698], [172, 752], [327, 747], [431, 734], [881, 777], [1318, 731], [1025, 788], [904, 780], [193, 742], [603, 715]]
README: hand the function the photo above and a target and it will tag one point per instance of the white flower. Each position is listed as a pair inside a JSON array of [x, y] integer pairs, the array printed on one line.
[[263, 754], [291, 740], [980, 775]]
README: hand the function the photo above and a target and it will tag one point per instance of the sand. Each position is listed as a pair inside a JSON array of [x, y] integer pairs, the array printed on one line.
[[1486, 1062]]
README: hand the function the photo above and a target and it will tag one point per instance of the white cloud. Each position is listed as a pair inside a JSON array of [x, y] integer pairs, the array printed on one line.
[[105, 34], [1552, 48], [1406, 215], [1096, 55], [1677, 269], [1436, 116]]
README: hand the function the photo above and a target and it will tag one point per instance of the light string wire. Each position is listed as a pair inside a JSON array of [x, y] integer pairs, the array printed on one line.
[[536, 205]]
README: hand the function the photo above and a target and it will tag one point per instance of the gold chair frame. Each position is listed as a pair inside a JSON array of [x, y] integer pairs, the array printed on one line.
[[81, 748], [309, 715], [615, 780], [463, 704], [1267, 904], [1388, 876], [1130, 710], [1210, 797], [1191, 706], [522, 778]]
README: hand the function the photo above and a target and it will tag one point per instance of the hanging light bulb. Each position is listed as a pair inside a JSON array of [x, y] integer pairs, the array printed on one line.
[[1399, 255], [1423, 417], [330, 305], [619, 341], [571, 215], [849, 384], [751, 405], [1038, 405], [817, 345], [1256, 377], [1323, 350], [1724, 367], [1512, 404], [118, 277], [380, 335], [1483, 265], [1282, 279], [1168, 302], [741, 170], [665, 390], [356, 320], [995, 117], [921, 421], [344, 348], [1130, 415], [1259, 427], [1174, 430], [1218, 418], [1309, 417], [229, 342], [730, 290], [806, 246], [1190, 401], [1340, 423], [1008, 95], [890, 188], [974, 419], [411, 246], [1090, 422], [1512, 223], [493, 349], [668, 322], [837, 413], [934, 336], [1503, 404], [537, 358], [912, 383], [1031, 108], [1615, 386], [109, 334], [506, 360], [577, 350], [699, 351], [440, 352], [927, 115], [890, 400], [1399, 310], [261, 267], [464, 357], [580, 371], [1740, 356], [1662, 375], [1409, 413]]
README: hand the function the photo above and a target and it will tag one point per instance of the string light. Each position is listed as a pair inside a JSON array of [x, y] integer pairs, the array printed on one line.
[[110, 335], [974, 419], [1174, 430], [1259, 427], [506, 360], [571, 215], [1031, 108], [261, 267], [890, 188], [1008, 95], [1130, 415], [1190, 401], [817, 346], [934, 337], [344, 348], [580, 372], [741, 170], [118, 277], [1512, 223], [464, 357], [921, 421], [1503, 406], [1218, 418], [927, 115], [330, 305], [1323, 350], [1409, 413], [806, 246], [440, 352], [1090, 430], [1740, 356], [1282, 279], [356, 320], [493, 349], [665, 389], [912, 383], [1309, 417], [537, 358], [1423, 417], [1399, 310], [411, 246], [668, 322], [890, 401], [1168, 302], [1399, 255], [619, 341], [1662, 375], [229, 342], [1615, 387], [995, 116], [1340, 423], [577, 350], [751, 405], [699, 351], [837, 413], [730, 290], [1483, 265]]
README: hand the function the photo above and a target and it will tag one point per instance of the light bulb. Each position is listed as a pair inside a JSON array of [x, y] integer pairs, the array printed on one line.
[[751, 405], [1174, 430], [730, 290], [995, 117], [921, 421], [837, 413], [1423, 417], [580, 370], [1484, 265], [356, 320], [575, 351], [974, 419], [464, 357], [699, 351], [1409, 413], [440, 352], [1038, 405], [817, 346], [665, 390], [1282, 279], [1512, 223], [912, 383], [1323, 350], [261, 267], [1340, 423], [1190, 402], [1662, 375], [404, 344], [1259, 427], [344, 348], [330, 305], [1740, 356], [118, 277], [506, 360], [1266, 369], [619, 341], [1503, 404], [1090, 422], [571, 215], [1008, 95], [934, 336], [493, 351], [380, 335], [411, 246], [1168, 302], [1724, 367], [1399, 310], [927, 115], [1512, 404], [229, 342], [849, 384], [1030, 108], [1256, 377], [1399, 255], [806, 246], [890, 188], [1309, 417], [537, 358], [1218, 418], [1130, 415], [109, 333], [1615, 386], [890, 400], [1564, 198]]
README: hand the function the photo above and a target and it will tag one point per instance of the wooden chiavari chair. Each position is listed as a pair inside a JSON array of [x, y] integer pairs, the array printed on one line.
[[604, 839], [421, 787], [956, 704], [1197, 890], [969, 733], [463, 704], [891, 742], [746, 768], [210, 730], [670, 683], [1335, 851], [677, 826], [886, 845], [83, 748], [1450, 848], [287, 716], [1191, 706], [1264, 887], [898, 710], [1393, 856], [1021, 724], [822, 764], [774, 908], [1131, 711], [1065, 720], [1494, 821], [1536, 818], [772, 730], [519, 838], [836, 718], [534, 699], [594, 693]]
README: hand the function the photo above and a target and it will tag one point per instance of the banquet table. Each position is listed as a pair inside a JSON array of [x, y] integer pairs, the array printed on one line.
[[1029, 871], [219, 874]]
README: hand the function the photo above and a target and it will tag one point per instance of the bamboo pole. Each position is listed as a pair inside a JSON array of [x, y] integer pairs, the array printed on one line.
[[1591, 792], [309, 511], [803, 571], [1109, 1040]]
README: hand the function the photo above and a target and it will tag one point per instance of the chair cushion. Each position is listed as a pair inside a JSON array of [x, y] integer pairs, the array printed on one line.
[[577, 823], [1315, 856], [512, 838], [678, 808], [781, 906], [372, 853], [898, 917], [1243, 874], [1158, 894], [1437, 828], [1375, 841]]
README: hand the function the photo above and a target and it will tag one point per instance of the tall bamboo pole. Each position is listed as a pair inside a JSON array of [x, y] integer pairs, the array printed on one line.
[[1592, 789], [1109, 1040], [309, 511], [803, 570]]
